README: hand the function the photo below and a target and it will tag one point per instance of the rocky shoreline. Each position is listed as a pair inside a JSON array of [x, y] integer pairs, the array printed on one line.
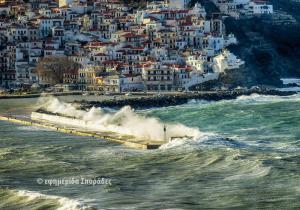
[[175, 99]]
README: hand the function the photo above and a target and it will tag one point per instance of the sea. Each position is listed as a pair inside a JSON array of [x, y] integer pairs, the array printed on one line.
[[247, 156]]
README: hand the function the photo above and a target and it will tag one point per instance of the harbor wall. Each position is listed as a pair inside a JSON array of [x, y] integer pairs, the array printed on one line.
[[176, 99]]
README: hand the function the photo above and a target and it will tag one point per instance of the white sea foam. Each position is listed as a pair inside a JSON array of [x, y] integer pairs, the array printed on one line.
[[249, 129], [287, 81], [256, 98], [125, 121], [288, 89], [190, 142], [251, 172], [199, 101], [65, 203], [291, 81]]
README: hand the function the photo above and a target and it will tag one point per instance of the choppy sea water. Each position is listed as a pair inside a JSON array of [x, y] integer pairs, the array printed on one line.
[[248, 157]]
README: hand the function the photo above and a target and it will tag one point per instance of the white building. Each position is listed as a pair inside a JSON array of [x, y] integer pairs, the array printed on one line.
[[216, 43], [230, 40], [131, 82], [226, 61], [158, 77], [198, 10], [259, 8], [235, 8], [196, 62]]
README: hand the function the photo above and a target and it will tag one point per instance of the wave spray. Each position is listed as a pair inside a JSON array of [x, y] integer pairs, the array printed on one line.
[[124, 121]]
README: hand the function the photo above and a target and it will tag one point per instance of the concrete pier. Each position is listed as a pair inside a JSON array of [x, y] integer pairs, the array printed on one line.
[[126, 140]]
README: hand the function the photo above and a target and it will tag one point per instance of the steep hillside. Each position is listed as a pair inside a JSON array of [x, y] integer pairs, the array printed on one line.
[[270, 51]]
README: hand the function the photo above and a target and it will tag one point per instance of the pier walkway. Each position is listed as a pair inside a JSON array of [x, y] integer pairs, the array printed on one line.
[[126, 140]]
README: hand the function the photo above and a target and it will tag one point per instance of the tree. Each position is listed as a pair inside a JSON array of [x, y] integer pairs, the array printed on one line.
[[51, 70]]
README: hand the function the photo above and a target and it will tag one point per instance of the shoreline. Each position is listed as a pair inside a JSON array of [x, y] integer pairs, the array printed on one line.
[[138, 100], [176, 99]]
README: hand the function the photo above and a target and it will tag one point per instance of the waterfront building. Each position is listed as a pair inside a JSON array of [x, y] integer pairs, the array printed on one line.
[[158, 77], [87, 77], [132, 82]]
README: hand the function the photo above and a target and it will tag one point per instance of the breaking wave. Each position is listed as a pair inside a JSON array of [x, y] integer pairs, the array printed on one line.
[[33, 199], [250, 99], [190, 142], [125, 121], [256, 98], [205, 139], [251, 170]]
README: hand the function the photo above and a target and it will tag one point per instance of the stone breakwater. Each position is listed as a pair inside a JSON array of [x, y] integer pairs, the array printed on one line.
[[175, 99]]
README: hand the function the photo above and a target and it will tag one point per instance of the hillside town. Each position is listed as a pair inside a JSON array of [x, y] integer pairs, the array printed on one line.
[[166, 46]]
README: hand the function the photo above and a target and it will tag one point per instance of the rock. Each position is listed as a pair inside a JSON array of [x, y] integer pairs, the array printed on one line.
[[171, 100]]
